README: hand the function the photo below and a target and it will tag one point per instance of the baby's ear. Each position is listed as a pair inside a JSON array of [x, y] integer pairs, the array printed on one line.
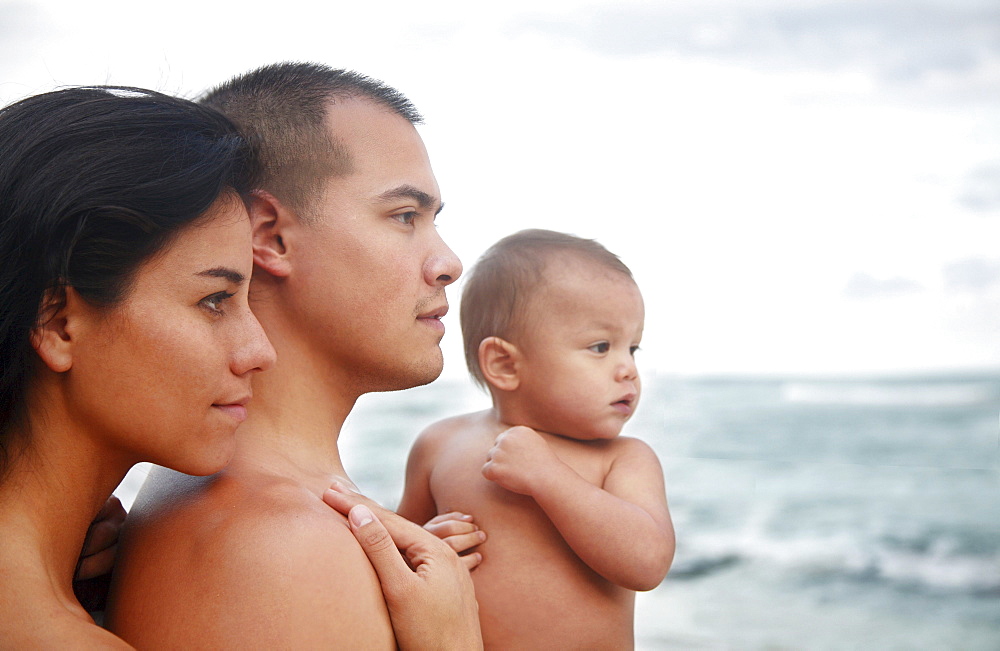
[[269, 221], [499, 361], [53, 339]]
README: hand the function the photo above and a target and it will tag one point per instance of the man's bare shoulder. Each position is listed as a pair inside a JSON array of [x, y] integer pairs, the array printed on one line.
[[241, 502], [264, 559]]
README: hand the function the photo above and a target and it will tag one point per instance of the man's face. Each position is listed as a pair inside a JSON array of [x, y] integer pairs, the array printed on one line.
[[370, 263]]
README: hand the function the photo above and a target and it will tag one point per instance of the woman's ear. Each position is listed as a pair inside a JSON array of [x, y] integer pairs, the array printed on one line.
[[269, 221], [500, 361], [53, 338]]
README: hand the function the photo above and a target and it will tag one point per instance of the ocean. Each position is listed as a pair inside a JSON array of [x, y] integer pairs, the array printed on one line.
[[811, 513]]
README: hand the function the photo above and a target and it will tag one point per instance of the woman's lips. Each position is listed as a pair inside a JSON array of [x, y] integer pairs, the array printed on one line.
[[237, 411]]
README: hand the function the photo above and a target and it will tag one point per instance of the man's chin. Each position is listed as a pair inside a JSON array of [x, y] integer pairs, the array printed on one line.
[[416, 375]]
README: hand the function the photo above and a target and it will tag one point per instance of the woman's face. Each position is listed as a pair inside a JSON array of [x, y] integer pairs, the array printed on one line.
[[165, 375]]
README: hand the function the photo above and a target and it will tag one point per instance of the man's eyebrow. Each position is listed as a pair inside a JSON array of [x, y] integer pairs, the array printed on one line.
[[231, 275], [423, 199]]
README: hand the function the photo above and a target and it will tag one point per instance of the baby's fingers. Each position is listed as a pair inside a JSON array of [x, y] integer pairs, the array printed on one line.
[[472, 561], [445, 525], [450, 515], [462, 543]]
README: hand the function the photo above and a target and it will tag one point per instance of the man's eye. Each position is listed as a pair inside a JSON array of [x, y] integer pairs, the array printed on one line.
[[216, 302], [406, 217], [600, 347]]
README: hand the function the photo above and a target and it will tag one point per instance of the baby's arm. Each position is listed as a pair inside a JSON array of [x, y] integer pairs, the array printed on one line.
[[417, 504], [622, 530]]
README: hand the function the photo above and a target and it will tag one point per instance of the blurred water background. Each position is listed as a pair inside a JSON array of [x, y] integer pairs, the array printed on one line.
[[811, 513]]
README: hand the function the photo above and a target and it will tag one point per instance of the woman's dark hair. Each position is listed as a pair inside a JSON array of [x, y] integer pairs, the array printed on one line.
[[93, 182]]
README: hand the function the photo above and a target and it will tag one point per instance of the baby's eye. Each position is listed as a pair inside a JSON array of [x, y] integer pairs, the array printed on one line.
[[216, 302], [632, 350], [600, 347], [406, 217]]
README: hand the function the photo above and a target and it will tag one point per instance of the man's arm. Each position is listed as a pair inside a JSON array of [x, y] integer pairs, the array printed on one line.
[[622, 530]]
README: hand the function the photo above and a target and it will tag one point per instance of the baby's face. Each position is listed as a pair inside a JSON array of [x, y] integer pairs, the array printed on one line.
[[578, 370]]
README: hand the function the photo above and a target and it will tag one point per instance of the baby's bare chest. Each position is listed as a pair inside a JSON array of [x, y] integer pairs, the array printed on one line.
[[457, 482]]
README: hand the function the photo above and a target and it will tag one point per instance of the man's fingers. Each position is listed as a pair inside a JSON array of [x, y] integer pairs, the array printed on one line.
[[100, 536], [104, 530], [96, 564], [112, 510], [472, 561]]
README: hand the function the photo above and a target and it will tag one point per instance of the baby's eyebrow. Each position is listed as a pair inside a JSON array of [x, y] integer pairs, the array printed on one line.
[[231, 275]]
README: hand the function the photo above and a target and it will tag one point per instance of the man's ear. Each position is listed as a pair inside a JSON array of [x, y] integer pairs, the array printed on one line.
[[499, 361], [53, 339], [269, 223]]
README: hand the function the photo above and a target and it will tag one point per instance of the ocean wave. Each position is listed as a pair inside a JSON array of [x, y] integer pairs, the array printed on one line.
[[941, 568], [925, 394]]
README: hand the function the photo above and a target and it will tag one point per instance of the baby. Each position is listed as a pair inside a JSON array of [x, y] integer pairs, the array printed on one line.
[[576, 515]]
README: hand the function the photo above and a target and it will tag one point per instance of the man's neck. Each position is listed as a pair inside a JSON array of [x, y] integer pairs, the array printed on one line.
[[294, 420]]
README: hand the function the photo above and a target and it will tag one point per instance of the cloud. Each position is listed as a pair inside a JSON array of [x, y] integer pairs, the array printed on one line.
[[982, 188], [973, 274], [18, 22], [862, 285], [898, 41]]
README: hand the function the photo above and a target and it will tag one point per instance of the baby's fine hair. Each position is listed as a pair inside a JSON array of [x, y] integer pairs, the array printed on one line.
[[502, 282]]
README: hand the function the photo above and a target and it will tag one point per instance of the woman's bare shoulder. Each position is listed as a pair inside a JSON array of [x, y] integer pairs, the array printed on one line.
[[32, 623]]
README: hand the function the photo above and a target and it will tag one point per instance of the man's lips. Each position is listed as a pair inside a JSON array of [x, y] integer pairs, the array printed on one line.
[[433, 316], [434, 313]]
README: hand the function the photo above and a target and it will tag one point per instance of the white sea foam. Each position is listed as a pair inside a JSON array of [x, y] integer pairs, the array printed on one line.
[[940, 568], [890, 394]]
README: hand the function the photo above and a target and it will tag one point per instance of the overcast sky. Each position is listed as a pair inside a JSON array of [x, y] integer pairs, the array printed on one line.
[[799, 186]]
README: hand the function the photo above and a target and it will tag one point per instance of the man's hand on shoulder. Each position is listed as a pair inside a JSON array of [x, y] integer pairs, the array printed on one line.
[[93, 570]]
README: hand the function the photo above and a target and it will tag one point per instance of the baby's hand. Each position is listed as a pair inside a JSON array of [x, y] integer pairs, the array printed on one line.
[[518, 459], [458, 530]]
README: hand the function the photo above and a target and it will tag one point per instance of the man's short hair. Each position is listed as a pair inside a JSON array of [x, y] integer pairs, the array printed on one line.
[[281, 110], [499, 289]]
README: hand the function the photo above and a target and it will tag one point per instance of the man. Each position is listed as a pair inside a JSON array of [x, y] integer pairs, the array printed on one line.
[[349, 284]]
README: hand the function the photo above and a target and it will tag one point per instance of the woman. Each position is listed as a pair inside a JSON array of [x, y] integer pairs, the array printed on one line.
[[125, 332]]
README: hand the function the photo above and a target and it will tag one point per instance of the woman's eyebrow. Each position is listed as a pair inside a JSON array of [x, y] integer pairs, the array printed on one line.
[[231, 275]]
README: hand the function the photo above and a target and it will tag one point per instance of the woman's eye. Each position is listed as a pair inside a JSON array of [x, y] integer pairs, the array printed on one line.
[[216, 302], [601, 347], [406, 217]]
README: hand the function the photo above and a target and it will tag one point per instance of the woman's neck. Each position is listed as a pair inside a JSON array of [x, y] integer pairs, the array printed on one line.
[[49, 495]]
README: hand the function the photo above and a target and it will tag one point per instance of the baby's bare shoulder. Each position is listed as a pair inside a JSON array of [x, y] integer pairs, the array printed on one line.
[[445, 430]]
